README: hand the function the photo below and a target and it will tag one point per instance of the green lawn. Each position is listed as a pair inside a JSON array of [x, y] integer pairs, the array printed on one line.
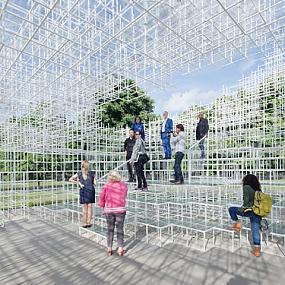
[[35, 198], [31, 184]]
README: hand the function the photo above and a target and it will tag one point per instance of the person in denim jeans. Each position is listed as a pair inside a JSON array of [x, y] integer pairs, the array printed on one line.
[[178, 141], [250, 185]]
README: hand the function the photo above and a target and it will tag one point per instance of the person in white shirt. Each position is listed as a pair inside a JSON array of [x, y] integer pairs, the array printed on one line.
[[178, 141]]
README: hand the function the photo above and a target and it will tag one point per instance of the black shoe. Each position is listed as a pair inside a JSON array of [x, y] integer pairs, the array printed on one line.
[[173, 181], [179, 182], [89, 226], [138, 189], [130, 180]]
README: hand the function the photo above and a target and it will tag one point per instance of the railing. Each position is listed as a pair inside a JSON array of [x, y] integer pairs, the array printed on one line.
[[118, 167], [189, 157]]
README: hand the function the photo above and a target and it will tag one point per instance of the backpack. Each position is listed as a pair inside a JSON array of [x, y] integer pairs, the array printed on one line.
[[262, 204]]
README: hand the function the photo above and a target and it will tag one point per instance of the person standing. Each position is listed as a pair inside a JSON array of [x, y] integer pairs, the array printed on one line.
[[201, 132], [178, 141], [86, 180], [139, 149], [250, 185], [166, 130], [112, 199], [128, 148], [138, 126]]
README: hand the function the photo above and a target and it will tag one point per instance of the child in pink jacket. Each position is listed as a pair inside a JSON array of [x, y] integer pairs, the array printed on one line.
[[112, 199]]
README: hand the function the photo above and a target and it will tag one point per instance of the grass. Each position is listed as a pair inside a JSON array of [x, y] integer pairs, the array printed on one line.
[[31, 184], [36, 198]]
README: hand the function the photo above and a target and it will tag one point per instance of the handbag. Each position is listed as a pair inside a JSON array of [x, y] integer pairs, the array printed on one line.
[[143, 158]]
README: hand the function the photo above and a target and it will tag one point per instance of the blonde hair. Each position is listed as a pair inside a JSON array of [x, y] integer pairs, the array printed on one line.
[[85, 166], [114, 176]]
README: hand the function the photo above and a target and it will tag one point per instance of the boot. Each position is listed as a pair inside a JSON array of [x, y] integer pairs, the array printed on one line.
[[256, 251], [237, 226]]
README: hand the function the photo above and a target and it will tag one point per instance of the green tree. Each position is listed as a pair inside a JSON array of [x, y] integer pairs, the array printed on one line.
[[132, 101]]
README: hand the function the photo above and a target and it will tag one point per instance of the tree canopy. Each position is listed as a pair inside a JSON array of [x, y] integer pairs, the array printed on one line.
[[132, 102]]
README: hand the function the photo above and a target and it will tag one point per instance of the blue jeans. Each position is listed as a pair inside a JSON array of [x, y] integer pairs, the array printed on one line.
[[177, 166], [166, 145], [254, 221]]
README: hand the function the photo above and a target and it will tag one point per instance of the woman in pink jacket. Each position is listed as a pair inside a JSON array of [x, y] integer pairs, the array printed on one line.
[[112, 199]]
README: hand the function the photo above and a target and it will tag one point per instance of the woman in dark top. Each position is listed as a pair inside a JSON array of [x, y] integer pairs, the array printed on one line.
[[250, 185], [86, 180], [138, 126], [139, 148]]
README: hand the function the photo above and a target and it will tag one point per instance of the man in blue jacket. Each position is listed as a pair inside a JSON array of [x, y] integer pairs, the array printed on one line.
[[166, 130]]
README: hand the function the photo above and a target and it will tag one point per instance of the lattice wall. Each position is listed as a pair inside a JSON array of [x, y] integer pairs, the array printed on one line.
[[60, 61]]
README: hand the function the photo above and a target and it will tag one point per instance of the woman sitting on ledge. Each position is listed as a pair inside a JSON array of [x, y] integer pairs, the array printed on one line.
[[250, 185]]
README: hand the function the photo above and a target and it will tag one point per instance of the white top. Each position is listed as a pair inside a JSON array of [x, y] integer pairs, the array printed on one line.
[[178, 142], [163, 125]]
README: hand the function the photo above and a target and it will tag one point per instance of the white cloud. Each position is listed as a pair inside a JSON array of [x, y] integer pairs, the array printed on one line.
[[179, 102], [248, 65]]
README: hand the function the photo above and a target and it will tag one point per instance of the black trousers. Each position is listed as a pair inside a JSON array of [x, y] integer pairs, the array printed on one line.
[[130, 171], [140, 175], [177, 166]]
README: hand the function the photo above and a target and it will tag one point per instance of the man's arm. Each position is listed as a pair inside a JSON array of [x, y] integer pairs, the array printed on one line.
[[206, 126]]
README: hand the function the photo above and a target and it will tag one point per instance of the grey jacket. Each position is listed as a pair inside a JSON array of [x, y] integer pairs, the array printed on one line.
[[178, 142], [139, 148]]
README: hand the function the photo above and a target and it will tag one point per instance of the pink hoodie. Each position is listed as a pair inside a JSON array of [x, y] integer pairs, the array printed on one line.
[[113, 197]]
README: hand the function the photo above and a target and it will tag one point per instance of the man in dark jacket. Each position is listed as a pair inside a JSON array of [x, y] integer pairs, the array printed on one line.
[[202, 131], [128, 148]]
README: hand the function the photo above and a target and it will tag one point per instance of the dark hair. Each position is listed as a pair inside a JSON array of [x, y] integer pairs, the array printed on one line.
[[180, 127], [138, 132], [252, 181], [131, 130], [139, 119]]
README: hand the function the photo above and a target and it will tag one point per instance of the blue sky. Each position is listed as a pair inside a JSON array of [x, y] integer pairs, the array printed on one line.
[[199, 88]]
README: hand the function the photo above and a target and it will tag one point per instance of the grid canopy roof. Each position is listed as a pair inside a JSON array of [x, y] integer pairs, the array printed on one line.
[[60, 51]]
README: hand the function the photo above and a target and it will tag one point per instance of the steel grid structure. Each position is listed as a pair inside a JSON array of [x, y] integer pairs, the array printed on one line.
[[247, 134], [62, 59], [65, 52], [171, 214]]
